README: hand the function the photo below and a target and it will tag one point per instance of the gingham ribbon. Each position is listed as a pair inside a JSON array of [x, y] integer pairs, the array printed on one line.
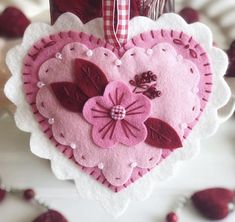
[[116, 35]]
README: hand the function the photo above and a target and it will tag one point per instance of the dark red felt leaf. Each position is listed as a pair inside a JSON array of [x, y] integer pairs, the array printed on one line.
[[69, 95], [213, 203], [91, 79], [51, 216], [162, 135]]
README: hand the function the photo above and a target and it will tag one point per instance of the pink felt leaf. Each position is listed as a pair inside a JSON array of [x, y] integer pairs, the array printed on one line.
[[91, 79], [162, 135], [69, 95], [51, 216], [213, 203]]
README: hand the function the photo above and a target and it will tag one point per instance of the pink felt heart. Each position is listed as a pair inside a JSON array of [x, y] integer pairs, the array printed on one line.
[[213, 203], [178, 87]]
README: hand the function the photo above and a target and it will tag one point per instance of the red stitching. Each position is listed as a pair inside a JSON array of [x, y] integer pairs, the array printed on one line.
[[91, 38], [92, 172], [142, 37], [207, 64], [152, 34], [60, 35], [181, 34]]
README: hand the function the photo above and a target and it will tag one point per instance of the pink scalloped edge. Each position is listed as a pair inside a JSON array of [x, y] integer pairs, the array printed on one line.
[[47, 48]]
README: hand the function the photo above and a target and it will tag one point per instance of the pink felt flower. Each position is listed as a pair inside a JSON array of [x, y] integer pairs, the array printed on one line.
[[118, 116]]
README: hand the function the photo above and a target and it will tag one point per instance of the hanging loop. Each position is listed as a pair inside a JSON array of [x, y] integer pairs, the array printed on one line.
[[116, 24]]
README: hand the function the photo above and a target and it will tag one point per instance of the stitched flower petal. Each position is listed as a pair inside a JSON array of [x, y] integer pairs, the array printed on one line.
[[118, 116]]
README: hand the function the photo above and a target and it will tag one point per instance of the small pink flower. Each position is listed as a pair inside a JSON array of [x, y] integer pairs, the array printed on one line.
[[118, 116]]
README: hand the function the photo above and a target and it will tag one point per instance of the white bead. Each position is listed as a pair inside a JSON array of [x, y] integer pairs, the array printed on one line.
[[58, 55], [149, 52], [89, 53], [51, 121], [73, 145], [195, 90], [183, 125], [133, 165], [118, 62], [101, 166], [179, 57], [40, 84]]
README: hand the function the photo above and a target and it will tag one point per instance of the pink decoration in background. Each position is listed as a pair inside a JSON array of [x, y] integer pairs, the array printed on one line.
[[118, 116]]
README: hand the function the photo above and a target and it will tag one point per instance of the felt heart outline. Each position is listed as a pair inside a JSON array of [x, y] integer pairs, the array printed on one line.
[[43, 50], [136, 192]]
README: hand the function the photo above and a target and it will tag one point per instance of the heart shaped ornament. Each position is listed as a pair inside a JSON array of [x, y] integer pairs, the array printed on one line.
[[117, 119]]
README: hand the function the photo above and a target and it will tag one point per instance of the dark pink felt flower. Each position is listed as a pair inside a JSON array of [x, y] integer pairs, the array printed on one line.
[[118, 116]]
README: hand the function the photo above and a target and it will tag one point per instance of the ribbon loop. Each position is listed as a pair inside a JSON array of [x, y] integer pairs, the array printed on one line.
[[116, 34]]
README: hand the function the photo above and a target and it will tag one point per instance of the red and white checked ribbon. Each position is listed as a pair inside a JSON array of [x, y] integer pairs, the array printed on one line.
[[116, 35]]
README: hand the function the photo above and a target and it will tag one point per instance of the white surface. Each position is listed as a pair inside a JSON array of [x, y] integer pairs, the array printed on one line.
[[88, 188]]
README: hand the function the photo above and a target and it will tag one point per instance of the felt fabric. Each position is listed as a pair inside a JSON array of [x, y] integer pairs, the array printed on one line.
[[214, 203], [63, 165], [70, 127], [129, 129], [183, 78], [161, 134], [50, 216], [90, 78], [69, 95]]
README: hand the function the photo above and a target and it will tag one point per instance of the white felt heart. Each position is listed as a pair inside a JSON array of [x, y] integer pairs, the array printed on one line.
[[181, 55]]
